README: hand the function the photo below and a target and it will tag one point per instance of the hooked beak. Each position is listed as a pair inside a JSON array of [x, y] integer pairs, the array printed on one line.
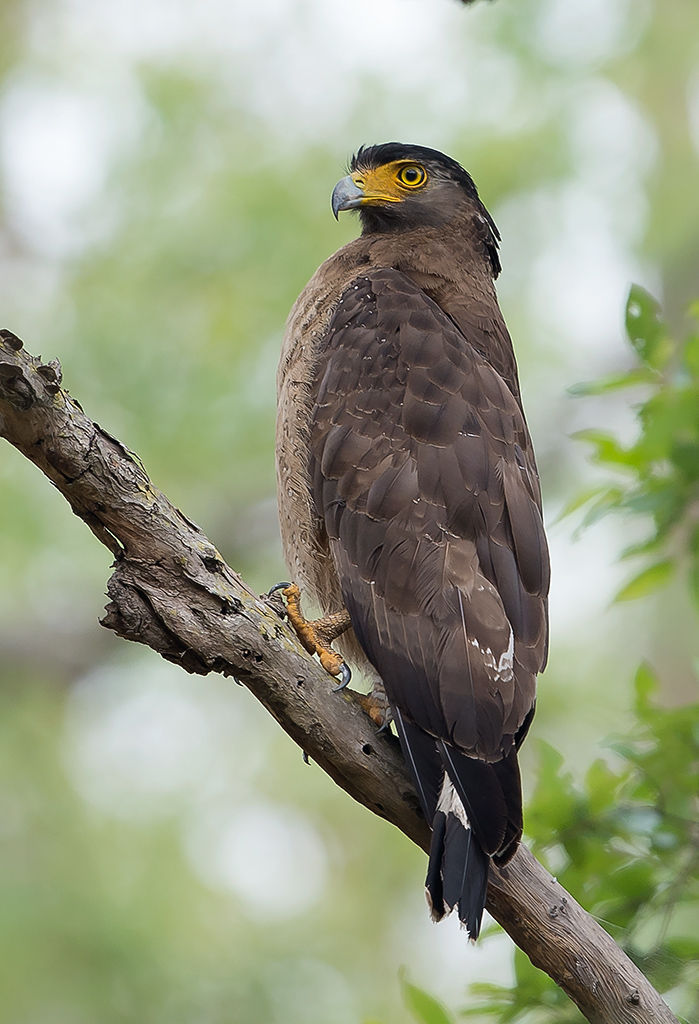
[[346, 196]]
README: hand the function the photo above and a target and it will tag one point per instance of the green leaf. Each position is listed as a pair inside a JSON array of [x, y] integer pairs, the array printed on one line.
[[650, 579], [684, 948], [494, 1001], [610, 500], [645, 684], [685, 455], [634, 881], [607, 448], [424, 1007], [583, 498], [615, 382], [645, 327], [601, 786], [642, 547], [691, 354]]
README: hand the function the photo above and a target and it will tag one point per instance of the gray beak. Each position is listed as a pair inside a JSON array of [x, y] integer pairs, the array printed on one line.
[[346, 196]]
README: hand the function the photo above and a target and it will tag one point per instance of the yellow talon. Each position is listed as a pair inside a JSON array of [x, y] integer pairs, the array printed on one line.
[[317, 636]]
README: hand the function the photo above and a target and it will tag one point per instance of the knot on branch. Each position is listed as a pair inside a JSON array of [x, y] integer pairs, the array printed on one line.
[[52, 375], [18, 384], [11, 339], [131, 615]]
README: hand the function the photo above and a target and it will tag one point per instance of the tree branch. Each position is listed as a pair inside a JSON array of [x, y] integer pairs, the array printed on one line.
[[172, 591]]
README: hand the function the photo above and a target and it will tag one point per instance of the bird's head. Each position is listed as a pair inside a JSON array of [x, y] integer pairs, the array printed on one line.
[[397, 187]]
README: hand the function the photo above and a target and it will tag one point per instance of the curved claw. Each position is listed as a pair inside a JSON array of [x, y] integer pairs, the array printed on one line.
[[345, 677], [276, 587]]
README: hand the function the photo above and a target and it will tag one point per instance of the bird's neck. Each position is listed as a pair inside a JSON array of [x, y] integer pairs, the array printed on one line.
[[452, 267]]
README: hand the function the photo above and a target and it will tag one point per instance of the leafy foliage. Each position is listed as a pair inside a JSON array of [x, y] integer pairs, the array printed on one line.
[[626, 843], [657, 476]]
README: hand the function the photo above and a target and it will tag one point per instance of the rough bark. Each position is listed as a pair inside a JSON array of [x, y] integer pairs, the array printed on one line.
[[172, 591]]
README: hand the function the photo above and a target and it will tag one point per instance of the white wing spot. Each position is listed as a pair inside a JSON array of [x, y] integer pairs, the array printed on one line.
[[449, 802], [503, 668]]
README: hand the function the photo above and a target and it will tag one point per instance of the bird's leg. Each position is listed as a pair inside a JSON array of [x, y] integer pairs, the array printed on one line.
[[317, 636], [376, 705]]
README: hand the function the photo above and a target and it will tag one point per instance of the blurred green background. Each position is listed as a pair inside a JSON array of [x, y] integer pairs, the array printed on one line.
[[165, 179]]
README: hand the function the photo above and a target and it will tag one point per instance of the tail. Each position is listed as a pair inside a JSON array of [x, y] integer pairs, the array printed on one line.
[[475, 811], [457, 873]]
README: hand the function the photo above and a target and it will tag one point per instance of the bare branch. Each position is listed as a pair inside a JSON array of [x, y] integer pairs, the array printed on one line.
[[172, 591]]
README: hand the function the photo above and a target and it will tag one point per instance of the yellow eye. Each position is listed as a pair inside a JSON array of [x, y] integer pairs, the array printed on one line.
[[412, 176]]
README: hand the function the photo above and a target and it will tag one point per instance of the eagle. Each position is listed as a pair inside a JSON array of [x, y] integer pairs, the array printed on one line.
[[409, 498]]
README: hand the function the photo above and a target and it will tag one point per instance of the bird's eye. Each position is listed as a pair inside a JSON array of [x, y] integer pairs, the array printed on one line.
[[412, 176]]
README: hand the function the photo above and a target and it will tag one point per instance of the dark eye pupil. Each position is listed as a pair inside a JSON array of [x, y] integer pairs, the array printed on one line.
[[411, 175]]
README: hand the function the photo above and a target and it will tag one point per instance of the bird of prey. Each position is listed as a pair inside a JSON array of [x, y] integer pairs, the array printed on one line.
[[409, 498]]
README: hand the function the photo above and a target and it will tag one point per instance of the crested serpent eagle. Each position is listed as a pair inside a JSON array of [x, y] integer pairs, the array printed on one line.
[[410, 502]]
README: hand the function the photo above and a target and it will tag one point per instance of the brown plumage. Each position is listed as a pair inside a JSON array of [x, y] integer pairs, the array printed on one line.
[[409, 493]]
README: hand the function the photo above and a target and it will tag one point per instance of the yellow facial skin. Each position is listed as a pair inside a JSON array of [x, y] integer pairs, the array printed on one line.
[[391, 182]]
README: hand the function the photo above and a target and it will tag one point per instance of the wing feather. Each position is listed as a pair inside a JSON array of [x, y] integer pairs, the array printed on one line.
[[424, 477]]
